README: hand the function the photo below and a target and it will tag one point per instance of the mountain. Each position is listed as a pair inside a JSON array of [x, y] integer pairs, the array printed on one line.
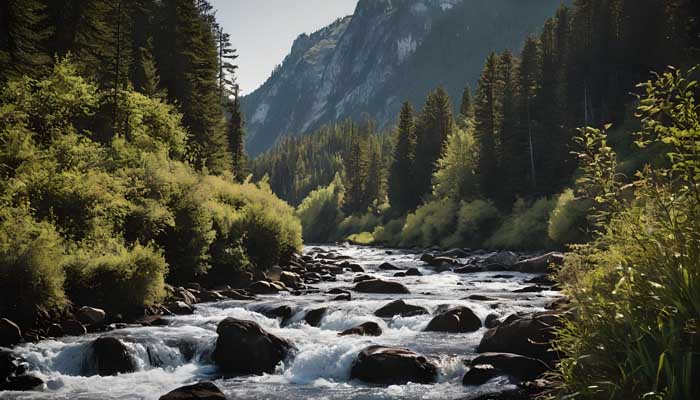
[[388, 51]]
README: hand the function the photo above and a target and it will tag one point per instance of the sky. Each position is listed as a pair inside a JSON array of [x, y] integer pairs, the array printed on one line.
[[263, 30]]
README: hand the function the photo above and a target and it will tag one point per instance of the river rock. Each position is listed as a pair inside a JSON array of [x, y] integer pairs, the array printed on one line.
[[440, 261], [263, 287], [454, 253], [381, 286], [284, 312], [467, 269], [399, 307], [244, 347], [90, 316], [314, 317], [366, 329], [427, 258], [521, 367], [507, 258], [413, 272], [458, 319], [400, 275], [480, 374], [72, 327], [530, 289], [355, 267], [179, 308], [362, 278], [111, 357], [21, 383], [389, 267], [184, 295], [392, 366], [540, 264], [491, 321], [527, 335], [198, 391], [292, 280], [236, 294], [343, 297], [10, 334]]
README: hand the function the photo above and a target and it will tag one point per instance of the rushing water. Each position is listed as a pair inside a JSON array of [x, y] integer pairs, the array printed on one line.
[[172, 356]]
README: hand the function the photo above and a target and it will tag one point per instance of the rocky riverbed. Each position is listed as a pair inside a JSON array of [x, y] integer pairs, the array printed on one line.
[[345, 322]]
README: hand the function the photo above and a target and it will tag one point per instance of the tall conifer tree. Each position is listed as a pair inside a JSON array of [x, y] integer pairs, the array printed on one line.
[[402, 195]]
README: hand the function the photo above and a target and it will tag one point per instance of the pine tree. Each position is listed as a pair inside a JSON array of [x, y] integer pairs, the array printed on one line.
[[528, 77], [402, 195], [236, 138], [466, 110], [513, 145], [24, 30], [227, 68], [487, 119], [356, 173], [435, 124]]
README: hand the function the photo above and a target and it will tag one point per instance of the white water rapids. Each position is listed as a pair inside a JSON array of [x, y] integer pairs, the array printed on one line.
[[172, 356]]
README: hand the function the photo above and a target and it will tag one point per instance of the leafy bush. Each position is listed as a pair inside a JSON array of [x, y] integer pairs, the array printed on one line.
[[568, 223], [476, 221], [636, 287], [120, 280], [456, 175], [31, 270], [363, 239], [321, 211], [525, 228], [430, 223], [355, 224], [390, 233]]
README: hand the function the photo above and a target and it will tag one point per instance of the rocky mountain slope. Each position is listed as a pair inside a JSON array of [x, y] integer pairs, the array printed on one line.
[[388, 51]]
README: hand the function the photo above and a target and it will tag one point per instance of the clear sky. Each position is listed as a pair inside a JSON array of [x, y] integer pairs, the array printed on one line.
[[263, 30]]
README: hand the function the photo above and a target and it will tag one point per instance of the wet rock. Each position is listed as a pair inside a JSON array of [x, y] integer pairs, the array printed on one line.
[[312, 277], [90, 316], [184, 295], [153, 320], [198, 391], [530, 289], [362, 278], [514, 394], [337, 291], [468, 269], [413, 272], [291, 280], [54, 331], [540, 264], [366, 329], [72, 327], [479, 297], [381, 286], [244, 347], [440, 261], [392, 366], [179, 308], [444, 267], [427, 258], [10, 334], [263, 287], [454, 253], [234, 294], [111, 357], [458, 319], [506, 258], [284, 312], [355, 268], [21, 383], [314, 317], [343, 297], [274, 273], [480, 374], [209, 296], [388, 267], [399, 307], [400, 275], [491, 321], [527, 335], [521, 367], [503, 276], [544, 280]]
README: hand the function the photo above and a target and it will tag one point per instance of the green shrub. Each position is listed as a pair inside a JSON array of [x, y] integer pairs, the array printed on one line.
[[31, 271], [321, 212], [117, 279], [525, 228], [568, 223], [355, 224], [456, 175], [363, 239], [476, 221], [390, 233], [430, 223]]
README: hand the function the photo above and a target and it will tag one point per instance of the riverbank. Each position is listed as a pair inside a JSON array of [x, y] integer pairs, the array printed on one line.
[[308, 303]]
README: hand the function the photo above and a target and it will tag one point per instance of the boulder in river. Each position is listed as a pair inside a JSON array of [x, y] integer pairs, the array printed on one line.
[[366, 329], [413, 272], [314, 317], [362, 278], [506, 258], [10, 334], [491, 321], [90, 316], [530, 289], [244, 347], [179, 308], [291, 280], [392, 366], [263, 287], [21, 383], [527, 335], [458, 319], [521, 367], [480, 374], [111, 357], [381, 286], [198, 391], [467, 269], [399, 307], [440, 261], [72, 327], [540, 264], [427, 258], [389, 267]]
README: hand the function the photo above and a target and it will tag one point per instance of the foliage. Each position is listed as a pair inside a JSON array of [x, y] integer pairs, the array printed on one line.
[[525, 228], [476, 221], [430, 223], [568, 223], [636, 286], [31, 270], [321, 211], [456, 175]]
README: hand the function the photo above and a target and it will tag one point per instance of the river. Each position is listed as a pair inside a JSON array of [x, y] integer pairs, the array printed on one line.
[[172, 356]]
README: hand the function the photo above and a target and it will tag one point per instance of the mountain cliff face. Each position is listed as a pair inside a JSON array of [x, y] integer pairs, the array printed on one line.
[[388, 51]]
